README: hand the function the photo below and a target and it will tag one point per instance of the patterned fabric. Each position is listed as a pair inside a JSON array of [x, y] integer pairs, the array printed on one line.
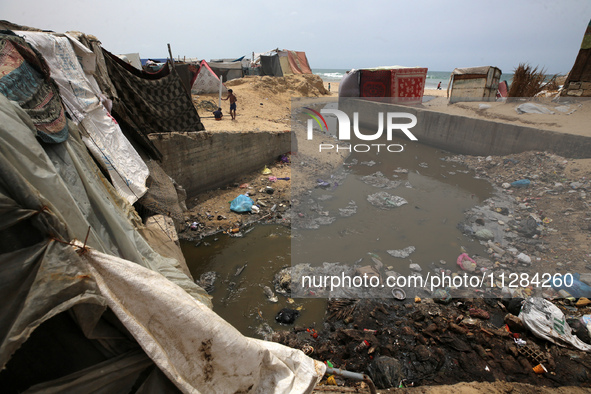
[[375, 83], [408, 85], [24, 78], [150, 104]]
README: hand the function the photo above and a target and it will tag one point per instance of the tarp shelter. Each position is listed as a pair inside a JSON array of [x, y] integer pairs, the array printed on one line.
[[578, 82], [281, 63], [206, 81], [403, 85], [473, 84], [87, 304], [227, 70]]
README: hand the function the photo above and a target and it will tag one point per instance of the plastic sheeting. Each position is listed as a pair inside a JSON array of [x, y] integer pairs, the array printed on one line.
[[58, 193], [192, 345], [52, 196], [80, 94]]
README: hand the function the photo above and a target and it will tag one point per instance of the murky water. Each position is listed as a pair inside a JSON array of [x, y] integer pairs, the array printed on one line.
[[244, 266], [437, 192]]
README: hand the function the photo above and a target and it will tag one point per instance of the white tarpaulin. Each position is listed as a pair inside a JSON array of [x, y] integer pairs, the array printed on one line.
[[80, 95], [193, 346]]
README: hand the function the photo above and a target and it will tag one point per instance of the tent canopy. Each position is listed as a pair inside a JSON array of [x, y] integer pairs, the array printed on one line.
[[206, 81]]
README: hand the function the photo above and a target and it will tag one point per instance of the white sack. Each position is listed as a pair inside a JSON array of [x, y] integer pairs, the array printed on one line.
[[546, 321]]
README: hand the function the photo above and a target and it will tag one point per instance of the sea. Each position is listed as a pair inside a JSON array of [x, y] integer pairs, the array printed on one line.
[[431, 82]]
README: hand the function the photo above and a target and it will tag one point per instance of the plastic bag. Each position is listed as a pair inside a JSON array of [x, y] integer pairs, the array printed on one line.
[[572, 284], [241, 204], [466, 263], [546, 321]]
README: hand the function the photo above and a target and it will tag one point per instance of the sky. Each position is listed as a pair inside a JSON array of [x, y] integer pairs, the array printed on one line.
[[437, 34]]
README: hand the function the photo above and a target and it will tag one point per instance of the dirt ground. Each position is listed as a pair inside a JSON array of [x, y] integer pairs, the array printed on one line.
[[456, 347]]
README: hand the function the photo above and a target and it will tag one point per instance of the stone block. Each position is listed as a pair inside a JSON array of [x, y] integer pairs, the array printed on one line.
[[574, 92]]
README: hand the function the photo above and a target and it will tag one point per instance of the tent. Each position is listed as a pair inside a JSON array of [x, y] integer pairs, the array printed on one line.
[[89, 305], [281, 63], [578, 82], [227, 70], [473, 84], [206, 81], [404, 85]]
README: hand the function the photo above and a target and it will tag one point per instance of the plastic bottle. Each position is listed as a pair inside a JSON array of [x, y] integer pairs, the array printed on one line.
[[363, 345]]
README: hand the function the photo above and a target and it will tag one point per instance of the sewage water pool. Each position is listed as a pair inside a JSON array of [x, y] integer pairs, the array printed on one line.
[[438, 193]]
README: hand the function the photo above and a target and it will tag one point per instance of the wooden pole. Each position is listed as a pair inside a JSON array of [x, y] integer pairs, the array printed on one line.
[[220, 95]]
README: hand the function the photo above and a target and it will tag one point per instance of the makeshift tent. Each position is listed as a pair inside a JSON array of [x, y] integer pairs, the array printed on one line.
[[82, 99], [227, 70], [578, 82], [206, 81], [281, 63], [88, 305], [187, 73], [403, 85], [473, 84]]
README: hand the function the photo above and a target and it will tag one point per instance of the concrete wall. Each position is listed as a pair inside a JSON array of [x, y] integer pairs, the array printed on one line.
[[460, 134], [201, 161]]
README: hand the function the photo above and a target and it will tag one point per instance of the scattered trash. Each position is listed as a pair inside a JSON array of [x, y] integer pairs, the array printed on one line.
[[323, 184], [540, 369], [384, 200], [572, 284], [479, 313], [363, 345], [442, 296], [521, 183], [266, 171], [379, 180], [531, 108], [270, 295], [523, 258], [484, 234], [466, 263], [349, 210], [240, 269], [272, 179], [402, 253], [546, 321], [241, 204], [399, 294], [286, 316]]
